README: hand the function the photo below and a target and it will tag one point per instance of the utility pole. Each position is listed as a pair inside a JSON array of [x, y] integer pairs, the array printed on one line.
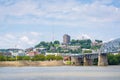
[[53, 34], [16, 52]]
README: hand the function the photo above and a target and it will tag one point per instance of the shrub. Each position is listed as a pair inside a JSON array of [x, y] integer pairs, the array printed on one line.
[[50, 57], [39, 57], [68, 62], [2, 58], [58, 58], [113, 59]]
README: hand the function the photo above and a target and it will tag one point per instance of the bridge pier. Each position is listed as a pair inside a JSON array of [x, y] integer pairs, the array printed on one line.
[[87, 61], [102, 60], [76, 60]]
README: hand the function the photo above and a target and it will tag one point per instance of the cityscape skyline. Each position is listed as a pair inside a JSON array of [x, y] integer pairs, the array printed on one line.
[[27, 22]]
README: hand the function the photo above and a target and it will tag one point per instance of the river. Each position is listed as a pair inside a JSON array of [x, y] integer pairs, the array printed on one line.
[[60, 73]]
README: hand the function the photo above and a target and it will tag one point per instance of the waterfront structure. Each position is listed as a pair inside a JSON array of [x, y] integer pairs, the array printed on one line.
[[66, 39], [87, 59], [111, 46]]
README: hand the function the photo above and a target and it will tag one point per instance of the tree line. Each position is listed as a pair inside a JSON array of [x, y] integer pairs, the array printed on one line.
[[113, 59], [39, 57]]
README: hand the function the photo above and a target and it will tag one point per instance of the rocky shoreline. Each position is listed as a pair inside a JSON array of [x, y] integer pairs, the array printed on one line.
[[30, 63]]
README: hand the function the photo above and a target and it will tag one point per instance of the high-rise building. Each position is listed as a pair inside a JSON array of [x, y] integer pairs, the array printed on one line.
[[66, 39]]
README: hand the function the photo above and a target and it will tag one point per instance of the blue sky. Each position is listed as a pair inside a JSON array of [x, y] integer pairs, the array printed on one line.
[[25, 23]]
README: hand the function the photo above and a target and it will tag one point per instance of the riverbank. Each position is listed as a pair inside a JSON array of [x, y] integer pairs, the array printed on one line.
[[31, 63]]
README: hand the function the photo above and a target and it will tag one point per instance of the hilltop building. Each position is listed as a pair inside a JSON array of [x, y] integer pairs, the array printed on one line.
[[66, 39]]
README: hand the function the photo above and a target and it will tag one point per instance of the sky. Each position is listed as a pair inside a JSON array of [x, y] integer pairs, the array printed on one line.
[[24, 23]]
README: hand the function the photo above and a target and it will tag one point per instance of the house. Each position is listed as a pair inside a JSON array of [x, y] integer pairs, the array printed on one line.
[[32, 53], [8, 54], [17, 52], [40, 50]]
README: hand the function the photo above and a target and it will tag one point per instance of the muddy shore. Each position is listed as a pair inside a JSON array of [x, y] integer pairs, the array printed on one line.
[[31, 63]]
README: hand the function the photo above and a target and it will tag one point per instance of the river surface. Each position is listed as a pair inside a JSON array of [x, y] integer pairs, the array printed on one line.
[[60, 73]]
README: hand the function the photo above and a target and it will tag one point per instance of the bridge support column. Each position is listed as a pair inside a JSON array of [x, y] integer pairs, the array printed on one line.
[[76, 61], [102, 60], [87, 62]]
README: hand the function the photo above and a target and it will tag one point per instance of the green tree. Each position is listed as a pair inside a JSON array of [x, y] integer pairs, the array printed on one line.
[[118, 57], [73, 42], [50, 57], [2, 58], [95, 61], [39, 57], [56, 42], [26, 58], [112, 60], [99, 41], [87, 51], [83, 43], [19, 57], [58, 57], [11, 59]]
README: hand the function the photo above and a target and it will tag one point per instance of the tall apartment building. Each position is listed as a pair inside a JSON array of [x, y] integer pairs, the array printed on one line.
[[66, 39]]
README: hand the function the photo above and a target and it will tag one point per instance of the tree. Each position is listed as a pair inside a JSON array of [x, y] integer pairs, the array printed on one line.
[[73, 42], [58, 58], [39, 57], [2, 58], [99, 41], [19, 57], [118, 57], [95, 61], [56, 42], [112, 60], [87, 51], [83, 43], [50, 57], [96, 47], [26, 58], [11, 59]]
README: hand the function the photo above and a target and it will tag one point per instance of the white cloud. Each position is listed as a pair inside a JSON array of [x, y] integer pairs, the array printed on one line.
[[60, 12], [20, 40], [9, 36], [104, 1], [36, 34], [83, 36], [65, 13], [24, 39]]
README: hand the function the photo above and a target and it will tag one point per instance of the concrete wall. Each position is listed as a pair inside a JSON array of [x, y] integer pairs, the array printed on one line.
[[31, 63], [102, 60]]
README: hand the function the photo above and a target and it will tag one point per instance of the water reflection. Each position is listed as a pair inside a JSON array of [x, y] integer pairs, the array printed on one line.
[[60, 73]]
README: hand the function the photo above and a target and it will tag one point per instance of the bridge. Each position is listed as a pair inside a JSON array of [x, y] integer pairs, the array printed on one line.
[[87, 59]]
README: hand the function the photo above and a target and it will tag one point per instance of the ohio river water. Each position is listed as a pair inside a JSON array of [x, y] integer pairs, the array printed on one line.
[[60, 73]]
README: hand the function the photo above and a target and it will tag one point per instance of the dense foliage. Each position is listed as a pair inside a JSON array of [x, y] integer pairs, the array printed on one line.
[[39, 57], [56, 46], [83, 43], [87, 51], [113, 59]]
